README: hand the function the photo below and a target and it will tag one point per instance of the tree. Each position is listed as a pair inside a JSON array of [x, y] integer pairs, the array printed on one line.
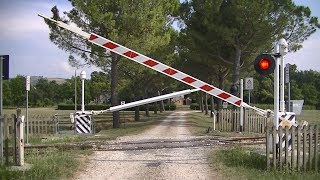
[[99, 85], [232, 33], [17, 88], [113, 20]]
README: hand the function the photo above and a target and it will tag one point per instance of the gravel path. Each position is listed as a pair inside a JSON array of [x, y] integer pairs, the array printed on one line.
[[169, 163]]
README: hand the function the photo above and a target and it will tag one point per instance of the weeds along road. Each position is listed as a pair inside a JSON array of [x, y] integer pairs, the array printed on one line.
[[156, 162]]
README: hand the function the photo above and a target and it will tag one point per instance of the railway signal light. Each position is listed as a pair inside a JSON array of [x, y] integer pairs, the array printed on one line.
[[264, 64]]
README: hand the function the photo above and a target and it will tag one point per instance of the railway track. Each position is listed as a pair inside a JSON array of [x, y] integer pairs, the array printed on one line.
[[156, 143]]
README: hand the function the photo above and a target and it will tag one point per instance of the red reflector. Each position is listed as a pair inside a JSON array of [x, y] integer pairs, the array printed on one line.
[[264, 64]]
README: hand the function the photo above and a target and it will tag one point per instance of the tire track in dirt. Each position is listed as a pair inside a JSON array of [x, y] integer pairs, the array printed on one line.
[[167, 163]]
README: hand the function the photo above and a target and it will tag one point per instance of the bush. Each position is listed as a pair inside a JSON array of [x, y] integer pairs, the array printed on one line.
[[170, 106], [270, 106], [195, 106], [167, 107], [88, 107]]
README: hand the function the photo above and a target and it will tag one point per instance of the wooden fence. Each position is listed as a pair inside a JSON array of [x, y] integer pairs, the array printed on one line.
[[229, 120], [299, 148], [60, 123], [36, 124]]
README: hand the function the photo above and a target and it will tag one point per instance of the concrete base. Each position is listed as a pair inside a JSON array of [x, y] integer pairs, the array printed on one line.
[[25, 167]]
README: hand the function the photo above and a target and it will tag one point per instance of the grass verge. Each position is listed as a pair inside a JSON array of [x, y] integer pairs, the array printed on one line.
[[201, 124], [62, 163], [243, 163], [48, 165], [105, 134]]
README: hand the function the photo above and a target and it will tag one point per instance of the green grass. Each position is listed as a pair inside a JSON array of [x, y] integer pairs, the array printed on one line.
[[49, 165], [311, 116], [62, 162], [199, 124], [241, 163], [37, 111], [109, 133]]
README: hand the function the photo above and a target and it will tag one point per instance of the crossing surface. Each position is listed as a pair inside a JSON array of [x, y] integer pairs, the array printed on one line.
[[153, 163]]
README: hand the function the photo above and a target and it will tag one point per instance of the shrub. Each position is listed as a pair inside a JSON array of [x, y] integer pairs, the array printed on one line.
[[88, 107], [195, 106]]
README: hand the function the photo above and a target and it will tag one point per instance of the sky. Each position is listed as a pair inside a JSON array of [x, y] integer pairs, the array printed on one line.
[[25, 37]]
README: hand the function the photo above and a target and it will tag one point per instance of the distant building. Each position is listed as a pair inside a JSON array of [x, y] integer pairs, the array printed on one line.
[[35, 79], [58, 80]]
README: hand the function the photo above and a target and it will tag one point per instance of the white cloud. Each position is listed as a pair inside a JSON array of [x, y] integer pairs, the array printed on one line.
[[66, 67], [308, 57]]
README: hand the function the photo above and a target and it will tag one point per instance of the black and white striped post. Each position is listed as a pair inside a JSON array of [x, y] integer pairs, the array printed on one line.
[[83, 123]]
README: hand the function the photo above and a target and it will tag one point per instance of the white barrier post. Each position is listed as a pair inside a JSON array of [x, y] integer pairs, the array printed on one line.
[[20, 124], [283, 49], [83, 77], [276, 89], [241, 108]]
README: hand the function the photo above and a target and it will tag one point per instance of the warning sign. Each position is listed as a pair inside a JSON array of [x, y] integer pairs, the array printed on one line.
[[248, 83]]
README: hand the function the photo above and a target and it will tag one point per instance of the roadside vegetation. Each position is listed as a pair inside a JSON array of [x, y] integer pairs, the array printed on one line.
[[51, 164], [238, 162], [61, 162], [244, 163]]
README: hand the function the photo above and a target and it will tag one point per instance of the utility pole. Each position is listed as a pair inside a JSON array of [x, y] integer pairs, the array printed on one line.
[[27, 104], [1, 120]]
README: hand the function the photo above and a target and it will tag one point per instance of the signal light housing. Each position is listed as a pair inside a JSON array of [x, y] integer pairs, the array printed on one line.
[[265, 64]]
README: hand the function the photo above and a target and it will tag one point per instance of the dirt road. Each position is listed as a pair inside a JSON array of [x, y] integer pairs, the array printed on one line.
[[158, 163]]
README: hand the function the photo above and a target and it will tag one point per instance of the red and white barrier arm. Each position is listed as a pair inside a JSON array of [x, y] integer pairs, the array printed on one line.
[[151, 63]]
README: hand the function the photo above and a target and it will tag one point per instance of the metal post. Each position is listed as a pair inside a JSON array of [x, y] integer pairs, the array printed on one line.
[[20, 138], [287, 80], [83, 77], [289, 98], [214, 120], [276, 90], [282, 102], [241, 107], [27, 104], [75, 89], [249, 97], [283, 50], [1, 121], [82, 105]]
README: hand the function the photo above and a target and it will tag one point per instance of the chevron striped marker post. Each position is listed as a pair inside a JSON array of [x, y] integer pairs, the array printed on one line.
[[287, 119], [83, 123]]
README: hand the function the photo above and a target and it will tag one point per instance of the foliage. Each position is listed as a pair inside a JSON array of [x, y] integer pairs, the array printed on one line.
[[88, 106], [195, 106], [244, 163], [143, 26], [222, 35], [50, 165]]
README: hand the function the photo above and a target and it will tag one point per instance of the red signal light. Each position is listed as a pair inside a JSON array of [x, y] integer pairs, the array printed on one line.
[[264, 64]]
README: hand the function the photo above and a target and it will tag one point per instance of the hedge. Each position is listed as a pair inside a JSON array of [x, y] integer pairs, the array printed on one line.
[[88, 107], [167, 106]]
